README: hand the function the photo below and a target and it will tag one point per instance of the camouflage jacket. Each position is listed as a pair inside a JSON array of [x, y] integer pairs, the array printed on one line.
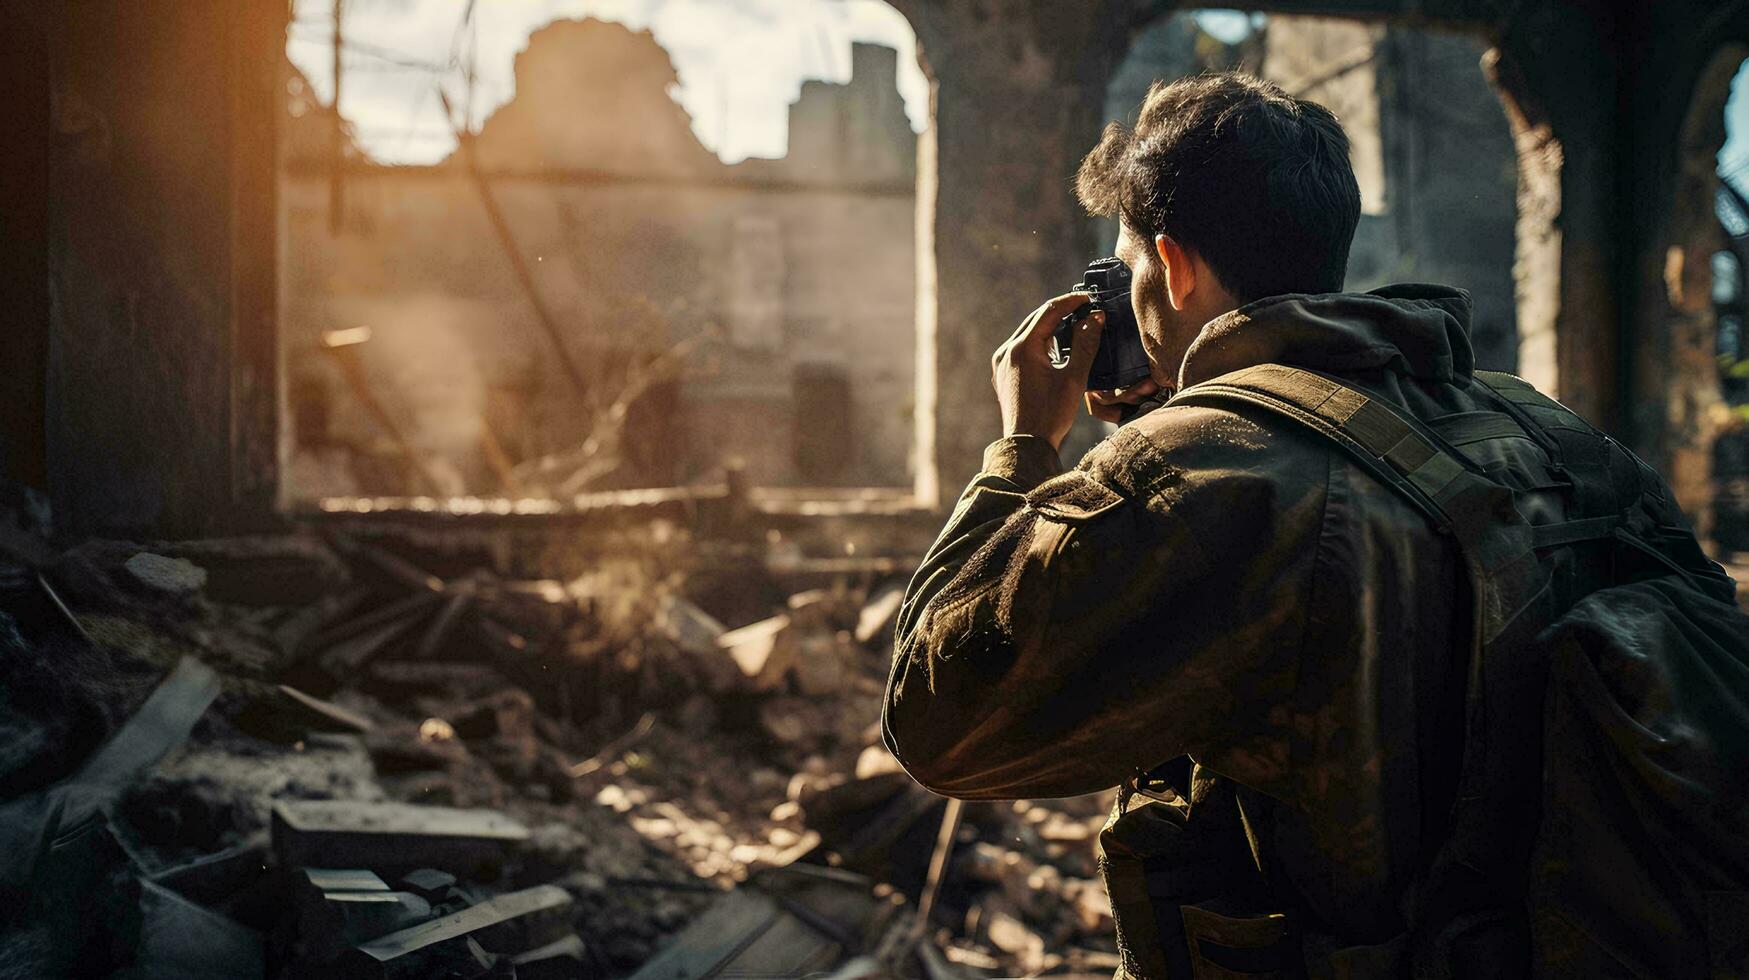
[[1224, 586]]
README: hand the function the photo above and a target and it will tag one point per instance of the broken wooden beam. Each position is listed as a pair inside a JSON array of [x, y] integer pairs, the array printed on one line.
[[343, 833]]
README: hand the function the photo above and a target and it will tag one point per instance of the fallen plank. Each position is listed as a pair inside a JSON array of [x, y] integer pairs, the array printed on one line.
[[343, 880], [161, 724], [343, 833], [412, 952], [350, 645], [735, 922], [792, 922]]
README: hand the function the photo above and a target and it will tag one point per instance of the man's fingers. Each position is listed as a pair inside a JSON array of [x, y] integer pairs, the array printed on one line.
[[1133, 395], [1037, 330], [1085, 342], [1102, 411]]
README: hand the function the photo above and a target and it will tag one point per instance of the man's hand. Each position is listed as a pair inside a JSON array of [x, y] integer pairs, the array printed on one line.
[[1113, 405], [1038, 398]]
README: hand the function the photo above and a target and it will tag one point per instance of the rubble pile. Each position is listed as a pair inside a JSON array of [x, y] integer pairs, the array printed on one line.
[[302, 755]]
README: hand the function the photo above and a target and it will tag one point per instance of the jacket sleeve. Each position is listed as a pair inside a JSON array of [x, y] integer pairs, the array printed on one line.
[[1068, 631]]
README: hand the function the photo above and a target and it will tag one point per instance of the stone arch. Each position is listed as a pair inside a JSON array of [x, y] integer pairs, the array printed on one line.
[[1678, 324]]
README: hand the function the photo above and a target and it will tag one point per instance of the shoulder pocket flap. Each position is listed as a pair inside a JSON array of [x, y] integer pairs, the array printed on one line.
[[1073, 498]]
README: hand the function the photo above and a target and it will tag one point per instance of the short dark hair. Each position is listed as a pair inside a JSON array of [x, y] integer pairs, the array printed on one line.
[[1236, 170]]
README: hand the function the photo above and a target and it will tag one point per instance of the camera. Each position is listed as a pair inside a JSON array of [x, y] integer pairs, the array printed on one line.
[[1120, 360]]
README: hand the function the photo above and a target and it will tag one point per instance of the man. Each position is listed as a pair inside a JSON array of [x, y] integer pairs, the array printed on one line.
[[1213, 585]]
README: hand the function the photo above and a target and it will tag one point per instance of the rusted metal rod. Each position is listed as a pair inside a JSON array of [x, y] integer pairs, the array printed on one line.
[[519, 264]]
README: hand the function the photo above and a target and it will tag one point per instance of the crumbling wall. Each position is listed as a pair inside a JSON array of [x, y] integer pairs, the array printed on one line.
[[1018, 89], [772, 273], [1681, 345]]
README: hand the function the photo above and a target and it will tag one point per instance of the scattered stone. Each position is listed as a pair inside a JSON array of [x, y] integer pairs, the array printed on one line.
[[172, 576], [763, 651], [876, 761], [432, 747]]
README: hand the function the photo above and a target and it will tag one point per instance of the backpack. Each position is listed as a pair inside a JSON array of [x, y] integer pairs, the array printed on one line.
[[1599, 823]]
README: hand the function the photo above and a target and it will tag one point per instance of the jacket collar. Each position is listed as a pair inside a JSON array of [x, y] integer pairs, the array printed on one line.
[[1415, 329]]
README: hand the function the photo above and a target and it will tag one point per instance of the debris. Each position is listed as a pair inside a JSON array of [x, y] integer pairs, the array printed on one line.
[[750, 932], [429, 883], [424, 950], [350, 645], [329, 920], [280, 713], [950, 825], [562, 959], [60, 607], [692, 629], [615, 747], [265, 570], [161, 724], [877, 619], [340, 880], [179, 938], [506, 714], [822, 663], [173, 576], [213, 878], [876, 761], [762, 650], [1007, 932], [389, 835], [829, 610], [749, 756], [460, 597]]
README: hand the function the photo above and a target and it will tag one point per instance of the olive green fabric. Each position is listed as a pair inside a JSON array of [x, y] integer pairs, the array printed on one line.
[[1220, 582]]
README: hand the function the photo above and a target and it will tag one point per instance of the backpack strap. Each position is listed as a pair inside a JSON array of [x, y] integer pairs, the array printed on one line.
[[1387, 445], [1421, 460]]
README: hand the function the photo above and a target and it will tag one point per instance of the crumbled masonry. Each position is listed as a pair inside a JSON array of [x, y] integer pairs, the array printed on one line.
[[304, 755]]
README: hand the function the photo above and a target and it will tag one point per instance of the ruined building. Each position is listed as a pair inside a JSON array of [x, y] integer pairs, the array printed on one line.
[[574, 480], [146, 259], [787, 286]]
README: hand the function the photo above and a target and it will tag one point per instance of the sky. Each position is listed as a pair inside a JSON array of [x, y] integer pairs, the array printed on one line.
[[1734, 155], [741, 62]]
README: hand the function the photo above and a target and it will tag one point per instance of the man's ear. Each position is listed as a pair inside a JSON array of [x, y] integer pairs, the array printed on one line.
[[1180, 271]]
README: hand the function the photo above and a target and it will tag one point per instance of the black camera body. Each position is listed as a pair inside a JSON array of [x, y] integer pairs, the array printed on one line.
[[1120, 360]]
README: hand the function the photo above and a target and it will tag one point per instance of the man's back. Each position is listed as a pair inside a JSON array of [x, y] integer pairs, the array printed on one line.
[[1224, 585]]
